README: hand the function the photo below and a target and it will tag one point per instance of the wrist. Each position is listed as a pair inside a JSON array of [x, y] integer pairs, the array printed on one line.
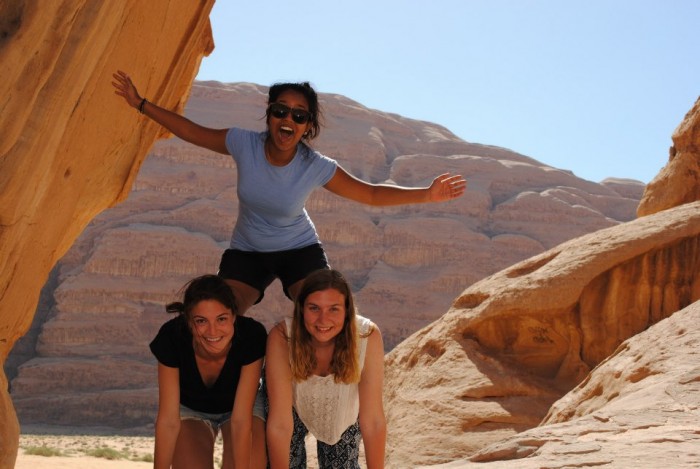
[[142, 104]]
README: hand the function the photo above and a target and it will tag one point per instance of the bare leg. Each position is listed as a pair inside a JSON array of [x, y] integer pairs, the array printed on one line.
[[227, 462], [258, 456], [294, 289], [194, 448], [246, 296]]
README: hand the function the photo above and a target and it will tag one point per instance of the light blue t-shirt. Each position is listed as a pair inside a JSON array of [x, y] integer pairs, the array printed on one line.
[[271, 212]]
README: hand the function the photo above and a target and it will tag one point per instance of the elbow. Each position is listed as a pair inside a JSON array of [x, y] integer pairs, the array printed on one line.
[[279, 431], [374, 428], [242, 425], [168, 425]]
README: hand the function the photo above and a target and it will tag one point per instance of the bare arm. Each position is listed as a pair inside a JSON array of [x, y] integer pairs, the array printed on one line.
[[242, 415], [212, 139], [372, 419], [278, 375], [444, 187], [168, 420]]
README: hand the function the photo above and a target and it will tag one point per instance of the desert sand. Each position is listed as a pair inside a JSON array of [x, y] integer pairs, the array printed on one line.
[[77, 451]]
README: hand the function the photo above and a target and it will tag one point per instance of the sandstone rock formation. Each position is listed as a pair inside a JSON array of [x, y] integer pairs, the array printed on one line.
[[69, 148], [679, 181], [407, 264], [61, 122], [515, 342], [638, 408]]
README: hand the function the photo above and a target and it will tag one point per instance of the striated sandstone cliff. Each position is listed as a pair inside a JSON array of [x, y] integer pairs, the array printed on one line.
[[406, 264], [517, 341], [69, 149]]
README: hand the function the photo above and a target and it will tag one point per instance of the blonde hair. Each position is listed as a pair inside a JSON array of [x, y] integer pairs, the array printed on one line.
[[345, 363]]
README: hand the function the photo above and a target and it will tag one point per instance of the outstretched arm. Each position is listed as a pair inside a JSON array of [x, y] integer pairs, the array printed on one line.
[[372, 419], [212, 139], [444, 187]]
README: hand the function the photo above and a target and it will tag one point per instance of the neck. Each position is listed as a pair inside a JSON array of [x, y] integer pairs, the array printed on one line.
[[278, 157]]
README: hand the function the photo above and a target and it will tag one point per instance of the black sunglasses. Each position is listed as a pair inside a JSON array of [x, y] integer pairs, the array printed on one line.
[[280, 111]]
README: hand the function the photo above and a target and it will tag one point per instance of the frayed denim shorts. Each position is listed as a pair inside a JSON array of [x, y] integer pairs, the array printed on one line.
[[213, 421]]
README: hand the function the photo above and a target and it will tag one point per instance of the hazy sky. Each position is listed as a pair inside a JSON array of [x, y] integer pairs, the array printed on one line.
[[596, 87]]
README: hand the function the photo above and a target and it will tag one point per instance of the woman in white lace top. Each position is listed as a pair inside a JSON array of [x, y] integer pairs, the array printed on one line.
[[324, 375]]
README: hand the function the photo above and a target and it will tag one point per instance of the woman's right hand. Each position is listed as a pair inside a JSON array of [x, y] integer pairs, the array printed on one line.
[[126, 89]]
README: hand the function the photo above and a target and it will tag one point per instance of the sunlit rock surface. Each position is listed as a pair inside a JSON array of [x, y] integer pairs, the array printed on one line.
[[517, 341], [70, 148], [679, 181], [638, 408]]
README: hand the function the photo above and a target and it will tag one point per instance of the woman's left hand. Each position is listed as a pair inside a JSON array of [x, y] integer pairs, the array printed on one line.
[[447, 187]]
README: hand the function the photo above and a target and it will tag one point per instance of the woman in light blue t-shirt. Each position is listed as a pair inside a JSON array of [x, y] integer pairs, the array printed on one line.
[[277, 171]]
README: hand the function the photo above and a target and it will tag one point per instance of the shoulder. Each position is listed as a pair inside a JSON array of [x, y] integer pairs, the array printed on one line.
[[279, 333], [250, 326], [238, 140], [174, 327], [365, 326]]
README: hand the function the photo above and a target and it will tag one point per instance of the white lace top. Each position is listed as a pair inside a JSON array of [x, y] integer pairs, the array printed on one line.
[[328, 408]]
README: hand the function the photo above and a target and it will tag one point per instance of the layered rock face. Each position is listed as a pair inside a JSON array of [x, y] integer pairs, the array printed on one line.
[[515, 342], [69, 147], [406, 264]]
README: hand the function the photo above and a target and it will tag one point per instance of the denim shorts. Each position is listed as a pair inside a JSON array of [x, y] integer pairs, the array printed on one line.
[[259, 407], [213, 421]]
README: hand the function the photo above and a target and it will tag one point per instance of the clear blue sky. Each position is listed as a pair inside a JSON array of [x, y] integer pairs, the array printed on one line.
[[596, 87]]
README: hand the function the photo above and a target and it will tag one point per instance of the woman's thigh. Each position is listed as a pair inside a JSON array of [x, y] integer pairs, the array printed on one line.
[[194, 448]]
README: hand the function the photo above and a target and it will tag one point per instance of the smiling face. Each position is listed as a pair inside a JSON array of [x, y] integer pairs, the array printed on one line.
[[324, 315], [212, 326], [285, 134]]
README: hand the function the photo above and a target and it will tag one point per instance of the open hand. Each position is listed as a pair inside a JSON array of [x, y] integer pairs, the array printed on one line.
[[447, 187], [126, 89]]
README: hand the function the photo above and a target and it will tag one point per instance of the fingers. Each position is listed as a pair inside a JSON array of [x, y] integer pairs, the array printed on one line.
[[452, 186]]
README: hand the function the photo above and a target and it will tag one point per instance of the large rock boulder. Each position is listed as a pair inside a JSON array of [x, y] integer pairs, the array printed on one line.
[[515, 342], [70, 148], [638, 408]]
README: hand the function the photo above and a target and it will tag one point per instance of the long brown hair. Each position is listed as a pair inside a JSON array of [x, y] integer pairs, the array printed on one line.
[[345, 363]]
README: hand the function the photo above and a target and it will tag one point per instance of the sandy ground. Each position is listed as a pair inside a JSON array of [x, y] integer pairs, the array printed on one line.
[[78, 451], [88, 452]]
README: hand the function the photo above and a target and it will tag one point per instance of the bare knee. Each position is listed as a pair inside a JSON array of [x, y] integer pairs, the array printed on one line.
[[258, 456], [246, 296]]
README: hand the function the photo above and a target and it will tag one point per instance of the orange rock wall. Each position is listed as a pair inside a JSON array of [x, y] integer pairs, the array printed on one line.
[[70, 147], [679, 181]]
